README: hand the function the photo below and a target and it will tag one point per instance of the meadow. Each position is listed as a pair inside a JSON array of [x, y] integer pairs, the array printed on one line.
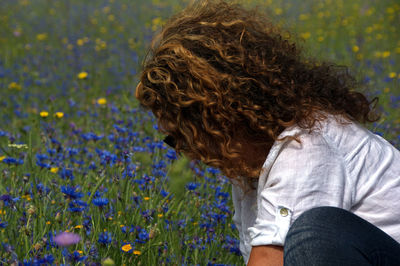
[[78, 155]]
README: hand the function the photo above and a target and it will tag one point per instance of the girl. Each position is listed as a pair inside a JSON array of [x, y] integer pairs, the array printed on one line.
[[311, 185]]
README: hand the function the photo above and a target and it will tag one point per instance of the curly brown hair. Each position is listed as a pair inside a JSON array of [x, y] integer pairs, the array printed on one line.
[[219, 76]]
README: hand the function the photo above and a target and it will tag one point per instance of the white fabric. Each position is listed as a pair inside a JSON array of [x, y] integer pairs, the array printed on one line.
[[345, 166]]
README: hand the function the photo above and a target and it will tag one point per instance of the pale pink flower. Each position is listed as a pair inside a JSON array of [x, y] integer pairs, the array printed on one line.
[[66, 239]]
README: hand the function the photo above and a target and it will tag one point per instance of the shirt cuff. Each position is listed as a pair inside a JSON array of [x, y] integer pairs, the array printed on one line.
[[271, 233]]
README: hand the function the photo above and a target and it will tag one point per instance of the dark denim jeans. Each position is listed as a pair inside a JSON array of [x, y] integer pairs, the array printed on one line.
[[328, 236]]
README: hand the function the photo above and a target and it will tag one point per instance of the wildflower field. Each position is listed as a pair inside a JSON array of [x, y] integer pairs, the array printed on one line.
[[85, 177]]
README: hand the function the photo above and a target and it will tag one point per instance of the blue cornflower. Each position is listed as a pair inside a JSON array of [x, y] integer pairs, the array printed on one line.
[[120, 129], [66, 173], [143, 236], [42, 189], [51, 152], [192, 186], [181, 223], [76, 257], [148, 214], [232, 244], [3, 224], [3, 133], [41, 160], [171, 154], [164, 193], [8, 199], [77, 205], [42, 157], [219, 193], [213, 171], [87, 224], [100, 202], [91, 136], [47, 259], [71, 192], [42, 164], [55, 141], [105, 238], [92, 165], [11, 160], [129, 171], [72, 151], [106, 157]]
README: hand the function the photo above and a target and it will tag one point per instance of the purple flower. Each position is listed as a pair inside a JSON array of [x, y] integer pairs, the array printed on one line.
[[66, 239]]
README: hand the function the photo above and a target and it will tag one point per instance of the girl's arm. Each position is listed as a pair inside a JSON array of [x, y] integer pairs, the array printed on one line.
[[266, 256]]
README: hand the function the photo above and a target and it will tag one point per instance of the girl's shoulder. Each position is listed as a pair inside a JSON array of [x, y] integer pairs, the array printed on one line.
[[335, 131]]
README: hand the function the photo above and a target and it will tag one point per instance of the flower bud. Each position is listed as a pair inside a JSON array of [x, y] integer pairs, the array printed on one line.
[[31, 210], [108, 262]]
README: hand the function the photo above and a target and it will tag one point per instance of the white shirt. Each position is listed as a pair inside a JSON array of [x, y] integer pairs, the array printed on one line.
[[345, 166]]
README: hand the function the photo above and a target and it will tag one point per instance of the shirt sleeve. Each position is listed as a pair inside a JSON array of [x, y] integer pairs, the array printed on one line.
[[303, 176]]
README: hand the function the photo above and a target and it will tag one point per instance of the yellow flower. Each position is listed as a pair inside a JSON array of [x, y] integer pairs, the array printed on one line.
[[2, 158], [80, 42], [82, 75], [390, 10], [59, 114], [78, 226], [127, 247], [392, 75], [379, 36], [146, 198], [27, 197], [41, 36], [386, 54], [306, 35], [137, 252], [106, 9], [356, 48], [304, 16], [48, 222], [160, 215], [278, 11], [378, 54], [14, 85], [101, 101], [44, 114]]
